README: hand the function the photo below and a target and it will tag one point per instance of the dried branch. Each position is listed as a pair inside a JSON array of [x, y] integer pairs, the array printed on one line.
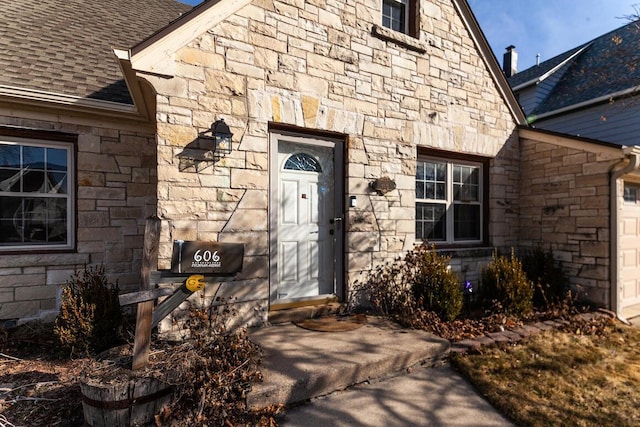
[[6, 356], [4, 422]]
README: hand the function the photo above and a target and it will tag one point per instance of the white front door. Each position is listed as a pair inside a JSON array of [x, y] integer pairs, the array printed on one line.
[[305, 225], [630, 252]]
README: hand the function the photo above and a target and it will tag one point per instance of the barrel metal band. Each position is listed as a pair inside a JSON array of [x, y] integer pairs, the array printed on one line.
[[126, 403]]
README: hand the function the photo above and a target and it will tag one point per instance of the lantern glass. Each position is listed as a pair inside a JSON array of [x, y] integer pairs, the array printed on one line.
[[219, 136]]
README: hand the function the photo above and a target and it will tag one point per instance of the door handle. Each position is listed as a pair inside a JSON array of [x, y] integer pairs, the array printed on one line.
[[336, 219]]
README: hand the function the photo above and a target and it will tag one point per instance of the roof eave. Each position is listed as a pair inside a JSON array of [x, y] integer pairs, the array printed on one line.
[[546, 75], [587, 103], [155, 55], [34, 96], [490, 60]]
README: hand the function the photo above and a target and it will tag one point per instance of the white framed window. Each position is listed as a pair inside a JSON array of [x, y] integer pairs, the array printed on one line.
[[395, 15], [36, 194], [632, 193], [450, 201]]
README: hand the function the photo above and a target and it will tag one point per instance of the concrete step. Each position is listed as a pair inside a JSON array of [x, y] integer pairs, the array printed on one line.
[[299, 364]]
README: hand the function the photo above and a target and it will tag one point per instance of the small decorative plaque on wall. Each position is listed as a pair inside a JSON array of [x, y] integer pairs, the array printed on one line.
[[383, 185]]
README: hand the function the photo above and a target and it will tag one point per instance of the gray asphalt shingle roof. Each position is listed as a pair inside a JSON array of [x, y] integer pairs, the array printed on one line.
[[609, 64], [66, 46]]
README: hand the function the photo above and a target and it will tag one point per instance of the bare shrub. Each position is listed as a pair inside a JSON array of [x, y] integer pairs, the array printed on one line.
[[407, 287], [506, 287], [90, 318]]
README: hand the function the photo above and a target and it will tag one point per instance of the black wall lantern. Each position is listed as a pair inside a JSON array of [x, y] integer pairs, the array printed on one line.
[[217, 139]]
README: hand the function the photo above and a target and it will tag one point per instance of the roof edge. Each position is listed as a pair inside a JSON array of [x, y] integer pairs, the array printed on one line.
[[155, 54], [544, 76], [587, 144], [33, 95], [469, 20], [603, 98]]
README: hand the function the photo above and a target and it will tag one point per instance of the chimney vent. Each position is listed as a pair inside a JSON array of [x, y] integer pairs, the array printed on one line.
[[510, 61]]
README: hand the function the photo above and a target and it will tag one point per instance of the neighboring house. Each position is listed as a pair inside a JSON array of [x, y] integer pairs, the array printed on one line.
[[591, 90], [359, 128]]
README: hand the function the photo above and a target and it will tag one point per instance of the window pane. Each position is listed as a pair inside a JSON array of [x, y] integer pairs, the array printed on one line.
[[33, 181], [43, 220], [56, 220], [630, 193], [466, 222], [431, 190], [466, 185], [10, 228], [420, 194], [10, 180], [441, 172], [57, 183], [33, 157], [302, 162], [9, 155], [431, 221], [431, 180], [56, 159], [420, 173]]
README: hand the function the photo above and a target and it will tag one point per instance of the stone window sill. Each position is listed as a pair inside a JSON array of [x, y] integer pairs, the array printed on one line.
[[478, 252], [401, 39], [463, 252]]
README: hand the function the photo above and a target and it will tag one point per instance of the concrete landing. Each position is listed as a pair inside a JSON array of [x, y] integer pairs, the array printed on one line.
[[299, 364]]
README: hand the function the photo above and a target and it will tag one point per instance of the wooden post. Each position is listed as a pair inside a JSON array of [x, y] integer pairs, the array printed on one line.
[[144, 314]]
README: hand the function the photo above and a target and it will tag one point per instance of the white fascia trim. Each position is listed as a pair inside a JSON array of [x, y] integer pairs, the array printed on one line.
[[67, 100], [543, 77], [597, 100], [632, 150], [155, 55]]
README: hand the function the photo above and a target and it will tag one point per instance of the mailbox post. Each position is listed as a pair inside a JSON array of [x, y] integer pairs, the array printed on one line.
[[193, 263]]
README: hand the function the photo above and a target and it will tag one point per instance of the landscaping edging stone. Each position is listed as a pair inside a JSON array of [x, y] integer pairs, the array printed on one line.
[[512, 336]]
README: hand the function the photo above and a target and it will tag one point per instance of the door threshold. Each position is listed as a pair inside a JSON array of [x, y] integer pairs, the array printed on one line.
[[297, 311]]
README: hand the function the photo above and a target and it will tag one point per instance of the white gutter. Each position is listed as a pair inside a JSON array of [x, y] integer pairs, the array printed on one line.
[[66, 100], [633, 154]]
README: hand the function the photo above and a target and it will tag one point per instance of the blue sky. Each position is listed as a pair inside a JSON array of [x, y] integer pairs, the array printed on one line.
[[547, 27]]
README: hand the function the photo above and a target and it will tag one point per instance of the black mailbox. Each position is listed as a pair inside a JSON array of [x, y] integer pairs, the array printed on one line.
[[214, 258]]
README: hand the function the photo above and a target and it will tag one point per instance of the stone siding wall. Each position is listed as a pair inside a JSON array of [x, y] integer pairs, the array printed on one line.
[[318, 65], [116, 187], [565, 208]]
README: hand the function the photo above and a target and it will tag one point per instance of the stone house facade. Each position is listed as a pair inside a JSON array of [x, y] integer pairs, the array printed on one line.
[[352, 142], [314, 71]]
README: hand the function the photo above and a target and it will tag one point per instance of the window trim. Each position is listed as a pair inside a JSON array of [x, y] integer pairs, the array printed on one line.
[[462, 159], [49, 139], [411, 13], [636, 188]]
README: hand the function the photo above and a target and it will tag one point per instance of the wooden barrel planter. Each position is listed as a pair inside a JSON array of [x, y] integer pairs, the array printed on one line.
[[132, 402]]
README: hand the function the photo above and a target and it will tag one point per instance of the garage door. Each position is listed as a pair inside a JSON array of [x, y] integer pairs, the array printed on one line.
[[630, 252]]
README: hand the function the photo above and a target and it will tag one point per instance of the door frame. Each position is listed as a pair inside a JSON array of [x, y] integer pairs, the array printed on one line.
[[312, 139]]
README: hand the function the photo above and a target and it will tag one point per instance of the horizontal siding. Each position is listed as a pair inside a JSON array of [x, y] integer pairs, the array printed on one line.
[[617, 122], [527, 99]]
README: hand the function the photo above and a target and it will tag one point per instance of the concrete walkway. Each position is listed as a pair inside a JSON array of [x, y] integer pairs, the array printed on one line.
[[379, 374], [435, 396]]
